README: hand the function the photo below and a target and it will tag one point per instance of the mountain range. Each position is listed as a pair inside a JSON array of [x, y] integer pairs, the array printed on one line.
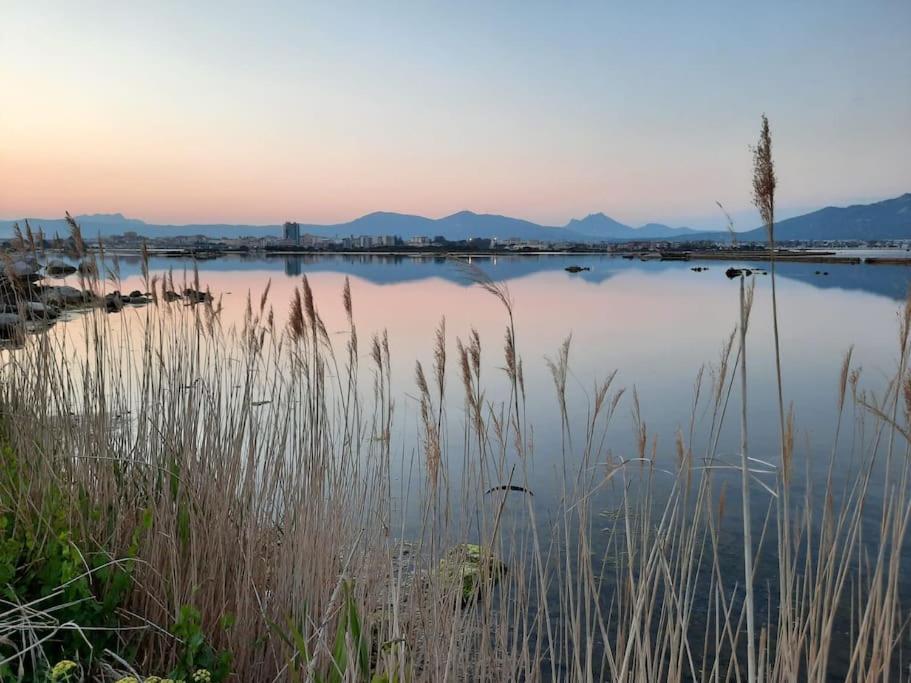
[[888, 219]]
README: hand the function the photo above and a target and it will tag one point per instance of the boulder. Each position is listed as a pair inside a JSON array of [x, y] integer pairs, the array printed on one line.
[[21, 267], [113, 302], [32, 310], [64, 295], [10, 325]]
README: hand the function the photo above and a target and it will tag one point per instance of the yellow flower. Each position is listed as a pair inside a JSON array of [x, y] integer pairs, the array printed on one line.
[[62, 669], [202, 676], [127, 679]]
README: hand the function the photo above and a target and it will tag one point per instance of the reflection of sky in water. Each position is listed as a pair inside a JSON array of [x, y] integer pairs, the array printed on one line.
[[655, 322]]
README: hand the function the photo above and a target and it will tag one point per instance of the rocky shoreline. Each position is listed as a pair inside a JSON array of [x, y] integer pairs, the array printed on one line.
[[29, 303]]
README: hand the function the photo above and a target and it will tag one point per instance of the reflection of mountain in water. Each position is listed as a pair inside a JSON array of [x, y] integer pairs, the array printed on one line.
[[889, 281]]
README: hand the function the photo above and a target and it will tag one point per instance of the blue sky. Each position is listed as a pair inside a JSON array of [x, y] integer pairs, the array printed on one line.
[[187, 112]]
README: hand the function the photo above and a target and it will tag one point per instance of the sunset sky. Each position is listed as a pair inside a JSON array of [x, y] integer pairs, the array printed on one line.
[[320, 112]]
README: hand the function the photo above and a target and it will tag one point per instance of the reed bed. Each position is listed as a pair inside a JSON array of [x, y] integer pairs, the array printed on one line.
[[247, 473]]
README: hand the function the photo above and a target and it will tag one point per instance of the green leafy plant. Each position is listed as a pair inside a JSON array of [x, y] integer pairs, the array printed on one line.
[[196, 652], [71, 591]]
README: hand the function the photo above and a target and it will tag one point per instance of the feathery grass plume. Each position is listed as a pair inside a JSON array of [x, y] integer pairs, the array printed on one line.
[[439, 356], [18, 241], [474, 349], [30, 237], [729, 224], [76, 234], [509, 353], [843, 378], [317, 327], [375, 352], [764, 181], [559, 369], [265, 296], [431, 439], [296, 317], [476, 275], [346, 300], [144, 263], [439, 368]]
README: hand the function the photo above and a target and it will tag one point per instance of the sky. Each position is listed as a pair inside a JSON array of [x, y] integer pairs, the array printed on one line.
[[177, 112]]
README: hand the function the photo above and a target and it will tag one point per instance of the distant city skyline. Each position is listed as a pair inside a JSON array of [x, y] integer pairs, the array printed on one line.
[[323, 112]]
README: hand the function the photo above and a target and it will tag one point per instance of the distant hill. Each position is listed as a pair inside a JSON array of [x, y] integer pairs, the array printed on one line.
[[600, 226], [889, 219]]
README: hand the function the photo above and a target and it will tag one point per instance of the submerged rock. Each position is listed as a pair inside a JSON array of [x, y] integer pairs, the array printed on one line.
[[576, 269], [469, 566]]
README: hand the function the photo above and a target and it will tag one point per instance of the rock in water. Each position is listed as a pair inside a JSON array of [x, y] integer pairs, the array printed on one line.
[[10, 325], [469, 566], [113, 302], [21, 267], [64, 295], [58, 268], [196, 297], [32, 310]]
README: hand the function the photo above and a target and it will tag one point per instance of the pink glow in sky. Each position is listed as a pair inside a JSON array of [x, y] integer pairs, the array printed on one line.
[[201, 112]]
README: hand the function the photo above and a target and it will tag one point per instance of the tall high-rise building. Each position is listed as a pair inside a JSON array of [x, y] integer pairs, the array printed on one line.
[[292, 232]]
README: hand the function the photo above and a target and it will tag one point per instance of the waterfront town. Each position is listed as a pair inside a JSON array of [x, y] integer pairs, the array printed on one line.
[[293, 240]]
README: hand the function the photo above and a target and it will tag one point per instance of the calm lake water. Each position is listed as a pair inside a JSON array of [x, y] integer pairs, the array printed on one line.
[[656, 323]]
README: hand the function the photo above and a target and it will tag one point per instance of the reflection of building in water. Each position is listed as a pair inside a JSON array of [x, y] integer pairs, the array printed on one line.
[[293, 266], [292, 232], [368, 241]]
